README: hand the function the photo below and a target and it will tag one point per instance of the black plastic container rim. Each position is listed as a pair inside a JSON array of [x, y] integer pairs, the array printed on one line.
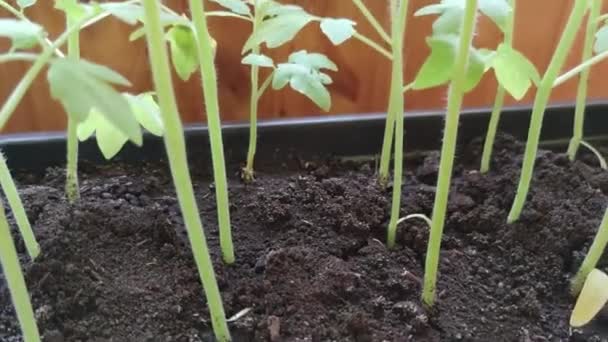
[[342, 135]]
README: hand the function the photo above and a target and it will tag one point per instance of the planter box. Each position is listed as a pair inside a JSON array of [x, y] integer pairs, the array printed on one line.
[[311, 265]]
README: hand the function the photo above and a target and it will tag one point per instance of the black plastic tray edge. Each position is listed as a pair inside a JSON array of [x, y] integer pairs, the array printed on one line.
[[341, 135]]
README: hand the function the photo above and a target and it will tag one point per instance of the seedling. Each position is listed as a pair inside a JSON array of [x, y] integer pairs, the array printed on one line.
[[176, 150], [276, 24], [593, 256], [592, 298], [540, 103], [16, 282]]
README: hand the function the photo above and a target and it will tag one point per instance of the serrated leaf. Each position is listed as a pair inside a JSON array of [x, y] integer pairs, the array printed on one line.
[[438, 67], [514, 71], [278, 30], [26, 3], [475, 70], [601, 40], [259, 60], [184, 53], [130, 13], [109, 139], [312, 60], [82, 86], [87, 127], [304, 80], [236, 6], [497, 10], [147, 112], [449, 22], [338, 30], [23, 34], [591, 300]]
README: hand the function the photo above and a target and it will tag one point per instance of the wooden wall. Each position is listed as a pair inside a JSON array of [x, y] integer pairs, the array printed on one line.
[[360, 86]]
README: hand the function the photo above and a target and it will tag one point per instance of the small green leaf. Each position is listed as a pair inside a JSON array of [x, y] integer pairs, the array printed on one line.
[[601, 40], [438, 67], [475, 70], [130, 13], [73, 9], [236, 6], [23, 34], [432, 9], [259, 60], [449, 22], [26, 3], [109, 139], [147, 112], [338, 30], [514, 71], [184, 54], [278, 30], [82, 86], [315, 61], [591, 300], [273, 9], [497, 10], [305, 80], [87, 127]]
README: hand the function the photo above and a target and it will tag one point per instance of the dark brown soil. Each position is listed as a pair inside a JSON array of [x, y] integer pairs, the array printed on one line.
[[311, 263]]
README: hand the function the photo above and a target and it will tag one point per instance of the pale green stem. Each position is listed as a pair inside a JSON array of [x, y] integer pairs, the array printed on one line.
[[14, 201], [581, 94], [265, 85], [253, 106], [399, 14], [488, 146], [372, 20], [384, 52], [209, 79], [593, 256], [579, 68], [18, 56], [16, 282], [72, 190], [448, 150], [178, 162], [540, 104]]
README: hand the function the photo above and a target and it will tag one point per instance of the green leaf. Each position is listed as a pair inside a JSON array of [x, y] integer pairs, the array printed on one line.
[[26, 3], [23, 34], [475, 70], [278, 30], [184, 53], [315, 61], [236, 6], [273, 8], [449, 22], [591, 300], [109, 139], [438, 67], [147, 112], [338, 30], [432, 9], [601, 40], [87, 127], [514, 71], [259, 60], [130, 13], [304, 80], [82, 86], [73, 9], [497, 10]]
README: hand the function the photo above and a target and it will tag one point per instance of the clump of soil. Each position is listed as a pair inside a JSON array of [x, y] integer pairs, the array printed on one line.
[[311, 263]]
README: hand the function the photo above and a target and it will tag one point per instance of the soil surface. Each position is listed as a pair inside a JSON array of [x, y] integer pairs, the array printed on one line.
[[311, 263]]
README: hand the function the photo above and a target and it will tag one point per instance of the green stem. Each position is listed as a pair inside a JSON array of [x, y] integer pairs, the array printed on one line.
[[488, 146], [372, 20], [399, 15], [581, 93], [18, 56], [178, 162], [14, 201], [248, 172], [265, 85], [206, 60], [448, 150], [16, 282], [71, 182], [540, 103], [581, 67], [373, 45], [593, 256]]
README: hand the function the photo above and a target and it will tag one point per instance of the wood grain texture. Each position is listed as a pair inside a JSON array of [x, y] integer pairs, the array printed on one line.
[[360, 86]]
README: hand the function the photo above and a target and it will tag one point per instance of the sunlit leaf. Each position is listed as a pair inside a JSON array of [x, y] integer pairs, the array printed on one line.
[[82, 86], [591, 300], [514, 71], [338, 30], [236, 6], [147, 112], [312, 60], [184, 54], [23, 34], [87, 127], [278, 30], [475, 70], [109, 139], [497, 10], [259, 60], [438, 67], [73, 9]]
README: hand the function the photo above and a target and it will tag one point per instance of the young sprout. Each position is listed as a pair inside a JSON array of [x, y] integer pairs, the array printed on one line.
[[276, 24], [592, 298], [176, 152], [453, 59], [581, 95], [9, 260], [593, 256], [540, 103]]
